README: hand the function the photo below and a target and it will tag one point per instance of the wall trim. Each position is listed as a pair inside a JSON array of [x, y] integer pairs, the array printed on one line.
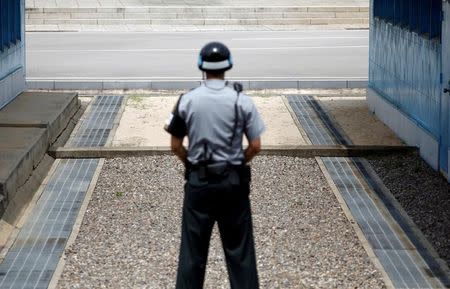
[[13, 71], [11, 86], [405, 127]]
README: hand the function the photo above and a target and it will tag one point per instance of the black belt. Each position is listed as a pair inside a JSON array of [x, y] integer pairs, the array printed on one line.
[[218, 170]]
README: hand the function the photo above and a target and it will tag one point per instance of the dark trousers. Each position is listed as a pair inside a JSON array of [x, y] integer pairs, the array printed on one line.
[[229, 205]]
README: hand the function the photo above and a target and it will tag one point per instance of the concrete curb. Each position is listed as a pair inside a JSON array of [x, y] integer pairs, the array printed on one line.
[[76, 227], [307, 151], [36, 84]]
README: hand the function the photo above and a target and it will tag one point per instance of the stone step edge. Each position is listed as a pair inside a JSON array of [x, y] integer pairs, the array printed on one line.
[[305, 151], [187, 27], [265, 15], [150, 84], [211, 21], [142, 9]]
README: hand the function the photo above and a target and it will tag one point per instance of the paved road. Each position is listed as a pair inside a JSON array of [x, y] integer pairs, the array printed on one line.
[[263, 55]]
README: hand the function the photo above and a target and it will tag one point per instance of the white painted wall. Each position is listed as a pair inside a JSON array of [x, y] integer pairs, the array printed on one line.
[[406, 128], [12, 68]]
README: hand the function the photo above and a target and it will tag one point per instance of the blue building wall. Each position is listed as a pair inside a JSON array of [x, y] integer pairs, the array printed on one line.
[[405, 89], [12, 58], [405, 68]]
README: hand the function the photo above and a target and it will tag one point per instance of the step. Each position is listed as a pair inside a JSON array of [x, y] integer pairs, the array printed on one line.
[[199, 15], [268, 21], [232, 15], [28, 126], [40, 109], [21, 150], [201, 9]]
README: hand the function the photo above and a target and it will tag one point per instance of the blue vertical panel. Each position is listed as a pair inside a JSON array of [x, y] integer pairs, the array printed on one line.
[[405, 69], [13, 22], [1, 25], [404, 12], [397, 11], [414, 16], [14, 17], [18, 21], [390, 9], [436, 14], [5, 23], [12, 50], [8, 22], [384, 9], [376, 8], [379, 4], [424, 16]]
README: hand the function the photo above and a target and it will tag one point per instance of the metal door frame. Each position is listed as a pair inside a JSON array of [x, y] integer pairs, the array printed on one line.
[[444, 143]]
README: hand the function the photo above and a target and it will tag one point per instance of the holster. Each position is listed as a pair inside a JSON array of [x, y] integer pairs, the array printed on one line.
[[209, 172]]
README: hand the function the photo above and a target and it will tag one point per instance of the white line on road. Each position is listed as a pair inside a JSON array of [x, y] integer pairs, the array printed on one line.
[[297, 38], [199, 79], [321, 31], [193, 49]]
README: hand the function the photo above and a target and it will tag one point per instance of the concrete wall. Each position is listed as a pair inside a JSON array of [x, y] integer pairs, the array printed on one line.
[[12, 68], [405, 85]]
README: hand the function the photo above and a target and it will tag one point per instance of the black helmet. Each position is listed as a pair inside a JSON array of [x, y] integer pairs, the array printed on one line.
[[215, 57]]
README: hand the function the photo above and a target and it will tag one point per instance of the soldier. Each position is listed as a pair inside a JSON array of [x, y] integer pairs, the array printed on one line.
[[214, 117]]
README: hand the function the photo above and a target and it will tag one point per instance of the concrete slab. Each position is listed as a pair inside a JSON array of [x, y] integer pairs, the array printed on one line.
[[358, 122], [21, 150], [143, 119], [24, 139], [281, 128], [40, 109], [23, 196]]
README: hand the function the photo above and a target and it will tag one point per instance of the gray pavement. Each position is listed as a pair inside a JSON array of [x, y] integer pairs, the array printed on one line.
[[258, 55], [131, 3]]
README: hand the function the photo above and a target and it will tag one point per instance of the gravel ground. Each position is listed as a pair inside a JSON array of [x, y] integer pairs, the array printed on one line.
[[130, 234], [423, 193]]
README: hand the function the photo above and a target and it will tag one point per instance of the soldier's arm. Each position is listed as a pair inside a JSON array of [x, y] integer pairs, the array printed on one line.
[[178, 149], [253, 128], [176, 126], [254, 147]]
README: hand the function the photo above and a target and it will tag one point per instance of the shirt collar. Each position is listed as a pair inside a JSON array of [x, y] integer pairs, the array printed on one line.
[[215, 83]]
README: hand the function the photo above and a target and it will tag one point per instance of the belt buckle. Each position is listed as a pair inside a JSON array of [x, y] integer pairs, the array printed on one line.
[[217, 169]]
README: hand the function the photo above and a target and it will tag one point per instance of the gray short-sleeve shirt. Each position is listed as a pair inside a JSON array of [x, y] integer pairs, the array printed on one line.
[[207, 116]]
